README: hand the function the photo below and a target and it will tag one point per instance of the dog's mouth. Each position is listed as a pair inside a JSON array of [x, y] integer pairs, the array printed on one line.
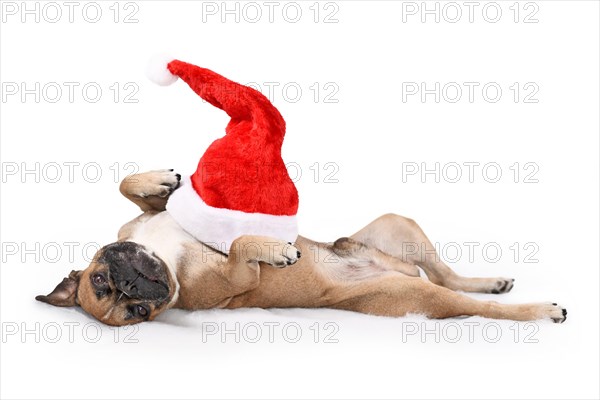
[[151, 278]]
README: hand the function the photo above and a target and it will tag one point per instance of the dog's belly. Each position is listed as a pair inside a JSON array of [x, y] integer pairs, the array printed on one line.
[[315, 281]]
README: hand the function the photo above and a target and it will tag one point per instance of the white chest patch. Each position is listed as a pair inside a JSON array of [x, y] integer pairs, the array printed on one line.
[[162, 236]]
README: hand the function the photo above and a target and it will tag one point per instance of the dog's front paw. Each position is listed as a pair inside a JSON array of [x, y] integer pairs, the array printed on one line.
[[159, 183], [285, 254]]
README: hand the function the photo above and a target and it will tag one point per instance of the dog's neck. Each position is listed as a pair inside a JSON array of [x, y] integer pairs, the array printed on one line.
[[166, 239]]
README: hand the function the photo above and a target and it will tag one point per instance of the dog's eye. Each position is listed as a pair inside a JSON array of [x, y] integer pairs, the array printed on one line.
[[98, 279], [141, 310]]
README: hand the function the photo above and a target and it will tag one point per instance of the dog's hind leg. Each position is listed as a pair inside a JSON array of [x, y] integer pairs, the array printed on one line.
[[403, 238], [396, 296], [351, 250]]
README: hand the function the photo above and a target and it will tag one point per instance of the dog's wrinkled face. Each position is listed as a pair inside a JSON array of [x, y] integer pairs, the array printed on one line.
[[124, 284]]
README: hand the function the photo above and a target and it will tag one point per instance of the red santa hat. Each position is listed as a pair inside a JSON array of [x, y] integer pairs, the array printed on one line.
[[241, 185]]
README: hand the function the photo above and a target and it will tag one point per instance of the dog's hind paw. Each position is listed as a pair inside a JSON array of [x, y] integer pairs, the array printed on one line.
[[558, 314], [551, 311], [502, 285]]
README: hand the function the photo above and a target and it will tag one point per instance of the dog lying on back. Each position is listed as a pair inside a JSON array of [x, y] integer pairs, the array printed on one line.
[[156, 265], [164, 259]]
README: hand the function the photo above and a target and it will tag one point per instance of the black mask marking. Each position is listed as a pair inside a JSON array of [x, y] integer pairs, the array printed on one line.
[[135, 273]]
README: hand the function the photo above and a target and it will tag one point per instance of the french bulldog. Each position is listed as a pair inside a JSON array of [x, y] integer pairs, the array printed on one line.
[[155, 265]]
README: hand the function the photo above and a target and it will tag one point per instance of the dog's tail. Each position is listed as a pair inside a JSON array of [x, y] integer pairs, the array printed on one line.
[[250, 111]]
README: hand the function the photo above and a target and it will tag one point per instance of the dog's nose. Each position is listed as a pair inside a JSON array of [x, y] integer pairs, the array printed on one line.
[[128, 288]]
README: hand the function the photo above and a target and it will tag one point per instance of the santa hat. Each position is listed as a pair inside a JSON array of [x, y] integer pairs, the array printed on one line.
[[241, 185]]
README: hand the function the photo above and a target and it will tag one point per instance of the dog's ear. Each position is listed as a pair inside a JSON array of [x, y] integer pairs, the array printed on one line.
[[65, 293]]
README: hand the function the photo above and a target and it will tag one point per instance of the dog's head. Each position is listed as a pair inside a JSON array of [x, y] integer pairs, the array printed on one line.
[[124, 284]]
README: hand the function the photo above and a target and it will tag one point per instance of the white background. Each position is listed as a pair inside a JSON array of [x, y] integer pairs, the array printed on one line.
[[369, 133]]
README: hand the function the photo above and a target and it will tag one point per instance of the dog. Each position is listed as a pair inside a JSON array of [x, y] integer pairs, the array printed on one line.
[[156, 265]]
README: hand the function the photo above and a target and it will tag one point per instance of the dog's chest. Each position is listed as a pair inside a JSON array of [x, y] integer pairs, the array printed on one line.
[[161, 235]]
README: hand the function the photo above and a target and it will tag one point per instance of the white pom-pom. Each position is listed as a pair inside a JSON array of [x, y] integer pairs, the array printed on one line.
[[157, 71]]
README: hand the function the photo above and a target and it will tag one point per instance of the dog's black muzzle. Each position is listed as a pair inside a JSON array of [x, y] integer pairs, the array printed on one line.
[[135, 272]]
